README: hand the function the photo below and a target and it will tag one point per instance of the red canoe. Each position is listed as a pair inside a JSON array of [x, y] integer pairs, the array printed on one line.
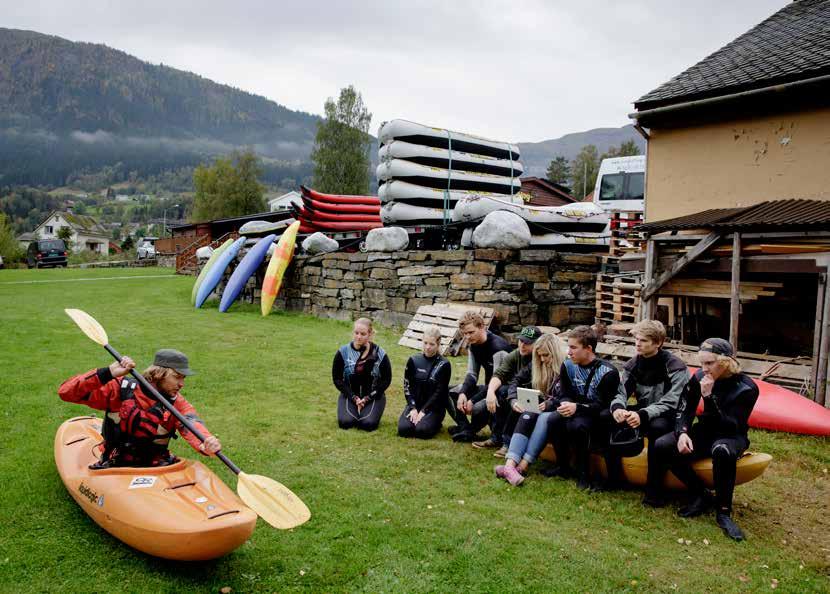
[[339, 198], [780, 409], [340, 208], [322, 215]]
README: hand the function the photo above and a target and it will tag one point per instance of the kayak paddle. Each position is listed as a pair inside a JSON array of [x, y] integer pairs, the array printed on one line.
[[272, 501]]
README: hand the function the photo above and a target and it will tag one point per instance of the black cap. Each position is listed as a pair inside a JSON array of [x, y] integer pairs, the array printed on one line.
[[718, 346], [529, 334], [175, 360]]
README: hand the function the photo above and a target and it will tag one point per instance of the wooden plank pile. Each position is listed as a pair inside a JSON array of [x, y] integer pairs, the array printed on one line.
[[623, 238], [618, 297], [717, 289], [445, 316]]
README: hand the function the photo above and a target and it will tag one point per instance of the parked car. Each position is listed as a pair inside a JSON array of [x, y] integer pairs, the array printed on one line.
[[47, 252], [146, 248], [1, 262]]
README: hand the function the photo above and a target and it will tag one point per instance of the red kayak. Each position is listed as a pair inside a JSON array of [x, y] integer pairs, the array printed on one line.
[[339, 198], [322, 215], [780, 409], [330, 207]]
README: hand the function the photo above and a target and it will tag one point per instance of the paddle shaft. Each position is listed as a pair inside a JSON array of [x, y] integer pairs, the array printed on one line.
[[148, 387]]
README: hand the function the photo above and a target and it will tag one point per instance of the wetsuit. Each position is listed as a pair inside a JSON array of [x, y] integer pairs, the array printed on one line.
[[591, 387], [657, 382], [425, 386], [137, 430], [721, 432], [479, 356], [505, 418], [360, 374]]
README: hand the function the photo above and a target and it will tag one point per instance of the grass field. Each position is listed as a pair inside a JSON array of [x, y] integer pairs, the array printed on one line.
[[388, 514]]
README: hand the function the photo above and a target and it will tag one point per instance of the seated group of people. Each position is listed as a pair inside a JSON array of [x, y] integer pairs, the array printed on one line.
[[584, 405]]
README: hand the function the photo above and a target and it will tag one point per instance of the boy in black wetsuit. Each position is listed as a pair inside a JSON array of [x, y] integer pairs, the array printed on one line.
[[721, 432], [485, 350], [588, 385]]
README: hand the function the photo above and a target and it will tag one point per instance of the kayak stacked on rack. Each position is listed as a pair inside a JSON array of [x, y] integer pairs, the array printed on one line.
[[337, 213], [424, 172]]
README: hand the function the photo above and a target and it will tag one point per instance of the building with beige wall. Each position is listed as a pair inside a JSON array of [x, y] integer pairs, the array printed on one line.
[[747, 124]]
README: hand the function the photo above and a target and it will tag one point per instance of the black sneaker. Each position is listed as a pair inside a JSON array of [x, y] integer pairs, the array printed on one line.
[[583, 482], [729, 527], [654, 500], [453, 430], [556, 470], [465, 436], [698, 506]]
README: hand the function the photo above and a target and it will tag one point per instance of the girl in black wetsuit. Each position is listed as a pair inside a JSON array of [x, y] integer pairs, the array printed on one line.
[[362, 372], [425, 387]]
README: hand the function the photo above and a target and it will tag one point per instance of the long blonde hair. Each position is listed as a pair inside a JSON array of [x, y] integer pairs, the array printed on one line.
[[545, 374]]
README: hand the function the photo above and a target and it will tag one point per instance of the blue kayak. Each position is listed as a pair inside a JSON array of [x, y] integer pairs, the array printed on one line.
[[243, 272], [216, 271]]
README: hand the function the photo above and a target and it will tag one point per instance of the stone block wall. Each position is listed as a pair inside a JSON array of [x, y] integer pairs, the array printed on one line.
[[542, 287]]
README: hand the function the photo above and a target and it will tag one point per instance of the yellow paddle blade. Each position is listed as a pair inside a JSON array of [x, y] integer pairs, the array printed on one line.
[[89, 325], [272, 501]]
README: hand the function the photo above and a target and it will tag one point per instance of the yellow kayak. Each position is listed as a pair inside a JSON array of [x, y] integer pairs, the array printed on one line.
[[276, 267]]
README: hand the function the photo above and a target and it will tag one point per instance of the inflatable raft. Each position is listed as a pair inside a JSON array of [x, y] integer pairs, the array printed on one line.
[[439, 157], [401, 191], [182, 512], [441, 138], [579, 216], [324, 215], [635, 469], [398, 213], [341, 209], [435, 177], [338, 198]]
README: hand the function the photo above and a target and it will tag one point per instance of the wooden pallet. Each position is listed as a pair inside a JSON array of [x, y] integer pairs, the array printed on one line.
[[445, 316]]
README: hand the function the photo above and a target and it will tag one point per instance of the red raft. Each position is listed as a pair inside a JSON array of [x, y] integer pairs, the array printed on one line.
[[339, 198], [780, 409], [337, 213]]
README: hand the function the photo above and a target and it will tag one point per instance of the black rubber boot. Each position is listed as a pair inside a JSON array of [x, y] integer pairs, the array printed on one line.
[[729, 526], [699, 505]]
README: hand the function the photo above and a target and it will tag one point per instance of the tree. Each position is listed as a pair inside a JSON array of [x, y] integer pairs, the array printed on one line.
[[9, 247], [341, 147], [627, 148], [65, 233], [229, 188], [584, 169], [559, 171]]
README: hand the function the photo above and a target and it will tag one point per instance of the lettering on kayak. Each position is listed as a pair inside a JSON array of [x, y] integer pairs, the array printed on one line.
[[90, 494], [142, 482]]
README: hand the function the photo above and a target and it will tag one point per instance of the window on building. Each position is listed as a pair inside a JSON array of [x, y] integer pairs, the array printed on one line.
[[50, 229]]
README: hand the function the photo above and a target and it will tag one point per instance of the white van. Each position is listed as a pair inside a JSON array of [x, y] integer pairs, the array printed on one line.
[[621, 184]]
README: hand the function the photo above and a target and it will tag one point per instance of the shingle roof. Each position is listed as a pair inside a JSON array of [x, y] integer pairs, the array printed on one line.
[[793, 44], [777, 214]]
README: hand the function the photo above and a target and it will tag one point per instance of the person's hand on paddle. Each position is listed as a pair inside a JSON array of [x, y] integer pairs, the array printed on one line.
[[492, 402], [210, 446], [706, 385], [633, 419], [567, 409], [620, 415], [122, 367], [684, 444]]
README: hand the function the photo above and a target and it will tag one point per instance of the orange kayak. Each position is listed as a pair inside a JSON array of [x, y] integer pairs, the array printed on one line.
[[280, 260], [182, 512]]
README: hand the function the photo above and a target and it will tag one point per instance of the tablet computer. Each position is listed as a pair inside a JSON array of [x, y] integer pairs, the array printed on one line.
[[529, 399]]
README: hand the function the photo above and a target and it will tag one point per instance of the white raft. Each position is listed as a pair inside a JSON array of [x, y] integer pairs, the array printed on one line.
[[400, 191], [393, 213], [582, 216], [584, 240], [436, 177], [438, 157], [441, 138]]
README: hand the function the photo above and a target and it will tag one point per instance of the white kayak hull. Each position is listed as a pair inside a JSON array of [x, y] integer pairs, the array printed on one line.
[[438, 178], [442, 138], [400, 191], [439, 157]]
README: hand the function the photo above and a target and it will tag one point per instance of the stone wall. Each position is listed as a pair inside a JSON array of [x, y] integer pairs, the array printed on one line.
[[540, 287]]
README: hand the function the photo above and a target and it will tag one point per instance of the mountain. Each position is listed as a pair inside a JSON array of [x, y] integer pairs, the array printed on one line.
[[67, 106], [536, 156]]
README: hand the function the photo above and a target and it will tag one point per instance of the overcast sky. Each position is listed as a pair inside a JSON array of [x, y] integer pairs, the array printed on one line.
[[520, 70]]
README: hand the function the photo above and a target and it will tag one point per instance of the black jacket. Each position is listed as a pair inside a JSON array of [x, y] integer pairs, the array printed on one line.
[[426, 381], [481, 355], [726, 412]]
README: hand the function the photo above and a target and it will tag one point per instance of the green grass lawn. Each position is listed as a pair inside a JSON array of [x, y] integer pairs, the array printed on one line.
[[388, 514]]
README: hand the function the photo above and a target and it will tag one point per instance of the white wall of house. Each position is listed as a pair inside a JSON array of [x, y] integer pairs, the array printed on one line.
[[79, 240], [285, 201]]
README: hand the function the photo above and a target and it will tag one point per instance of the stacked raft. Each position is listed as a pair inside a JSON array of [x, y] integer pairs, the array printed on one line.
[[337, 213], [424, 172]]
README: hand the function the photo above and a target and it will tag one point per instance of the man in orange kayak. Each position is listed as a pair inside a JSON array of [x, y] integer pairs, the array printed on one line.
[[137, 429]]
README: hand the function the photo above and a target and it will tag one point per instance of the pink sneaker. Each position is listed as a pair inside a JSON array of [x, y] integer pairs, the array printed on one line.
[[500, 471], [513, 476]]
